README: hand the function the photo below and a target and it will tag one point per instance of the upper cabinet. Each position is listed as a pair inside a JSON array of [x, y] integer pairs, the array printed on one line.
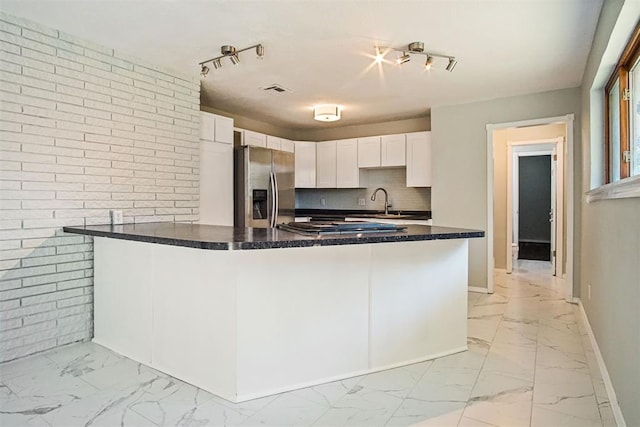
[[347, 172], [381, 151], [274, 142], [286, 145], [305, 164], [254, 139], [369, 152], [392, 150], [326, 164], [216, 128], [419, 159]]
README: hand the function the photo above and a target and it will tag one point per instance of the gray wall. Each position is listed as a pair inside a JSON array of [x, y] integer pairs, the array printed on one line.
[[459, 193], [534, 194], [610, 229]]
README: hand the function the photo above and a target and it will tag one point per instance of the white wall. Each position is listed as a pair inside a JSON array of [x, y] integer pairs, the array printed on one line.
[[83, 130], [610, 228], [459, 193]]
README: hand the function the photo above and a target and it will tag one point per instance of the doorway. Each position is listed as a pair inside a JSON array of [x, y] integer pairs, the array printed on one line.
[[567, 164], [536, 230]]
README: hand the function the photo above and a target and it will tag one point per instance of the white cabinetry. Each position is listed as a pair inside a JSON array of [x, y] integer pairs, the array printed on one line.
[[369, 152], [305, 166], [381, 151], [392, 150], [347, 172], [216, 170], [254, 138], [419, 159], [326, 164], [274, 142], [286, 145]]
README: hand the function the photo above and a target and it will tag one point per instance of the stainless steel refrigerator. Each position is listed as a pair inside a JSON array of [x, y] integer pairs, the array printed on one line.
[[264, 187]]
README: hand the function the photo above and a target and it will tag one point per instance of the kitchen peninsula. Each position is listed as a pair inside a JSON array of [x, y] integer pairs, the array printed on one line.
[[249, 312]]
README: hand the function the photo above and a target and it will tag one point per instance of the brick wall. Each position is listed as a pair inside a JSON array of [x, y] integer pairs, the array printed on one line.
[[83, 130]]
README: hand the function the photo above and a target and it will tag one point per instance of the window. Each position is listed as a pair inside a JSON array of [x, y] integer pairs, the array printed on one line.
[[622, 101]]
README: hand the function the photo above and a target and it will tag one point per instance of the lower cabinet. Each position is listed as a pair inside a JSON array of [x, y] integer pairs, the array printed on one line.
[[216, 183]]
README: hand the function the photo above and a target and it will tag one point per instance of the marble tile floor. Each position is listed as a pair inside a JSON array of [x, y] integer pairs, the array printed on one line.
[[529, 363]]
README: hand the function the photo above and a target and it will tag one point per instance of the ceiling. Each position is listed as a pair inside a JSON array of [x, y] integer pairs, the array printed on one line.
[[322, 51]]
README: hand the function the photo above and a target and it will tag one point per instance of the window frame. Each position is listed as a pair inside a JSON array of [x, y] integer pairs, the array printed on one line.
[[627, 60]]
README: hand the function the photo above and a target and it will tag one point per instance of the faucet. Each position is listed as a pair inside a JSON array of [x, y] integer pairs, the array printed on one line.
[[387, 205]]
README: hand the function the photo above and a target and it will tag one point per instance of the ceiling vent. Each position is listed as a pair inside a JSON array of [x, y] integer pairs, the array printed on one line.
[[275, 89]]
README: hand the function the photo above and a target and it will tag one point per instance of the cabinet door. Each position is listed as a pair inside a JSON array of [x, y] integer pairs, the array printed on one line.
[[216, 183], [326, 164], [369, 152], [305, 164], [347, 172], [419, 159], [287, 145], [255, 139], [274, 142], [207, 126], [392, 150], [223, 129]]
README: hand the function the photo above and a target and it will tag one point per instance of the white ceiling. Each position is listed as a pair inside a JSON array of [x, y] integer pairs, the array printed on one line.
[[323, 50]]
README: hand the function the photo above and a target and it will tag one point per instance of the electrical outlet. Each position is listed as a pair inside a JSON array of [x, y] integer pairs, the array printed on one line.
[[361, 202], [117, 217], [589, 291], [323, 201]]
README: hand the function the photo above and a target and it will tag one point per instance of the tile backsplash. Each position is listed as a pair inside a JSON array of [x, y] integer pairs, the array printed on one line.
[[393, 180]]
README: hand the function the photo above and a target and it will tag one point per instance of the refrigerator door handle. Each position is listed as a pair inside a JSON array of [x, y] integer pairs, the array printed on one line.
[[276, 197], [272, 184]]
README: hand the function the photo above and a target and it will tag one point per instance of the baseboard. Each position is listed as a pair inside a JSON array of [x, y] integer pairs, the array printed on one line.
[[478, 289], [608, 385]]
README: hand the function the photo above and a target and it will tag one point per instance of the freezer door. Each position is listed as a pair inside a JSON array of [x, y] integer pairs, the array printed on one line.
[[284, 170], [254, 185]]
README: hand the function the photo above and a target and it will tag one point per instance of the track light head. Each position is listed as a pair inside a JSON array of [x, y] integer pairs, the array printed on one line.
[[234, 59], [216, 63], [404, 58], [260, 51], [452, 64], [429, 62], [379, 56], [204, 71]]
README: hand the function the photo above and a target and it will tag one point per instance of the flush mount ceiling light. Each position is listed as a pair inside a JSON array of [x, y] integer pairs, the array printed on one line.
[[230, 52], [415, 48], [326, 113]]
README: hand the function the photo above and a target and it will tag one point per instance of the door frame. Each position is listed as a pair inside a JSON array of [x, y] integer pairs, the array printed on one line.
[[516, 149], [569, 185]]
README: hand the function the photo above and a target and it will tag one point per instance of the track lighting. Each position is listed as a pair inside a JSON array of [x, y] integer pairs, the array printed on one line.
[[415, 48], [204, 71], [232, 53], [404, 58]]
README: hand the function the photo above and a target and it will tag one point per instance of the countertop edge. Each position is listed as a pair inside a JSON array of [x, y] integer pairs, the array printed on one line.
[[276, 244]]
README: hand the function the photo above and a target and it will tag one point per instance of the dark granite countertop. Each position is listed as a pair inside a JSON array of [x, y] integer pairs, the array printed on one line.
[[363, 213], [230, 238]]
